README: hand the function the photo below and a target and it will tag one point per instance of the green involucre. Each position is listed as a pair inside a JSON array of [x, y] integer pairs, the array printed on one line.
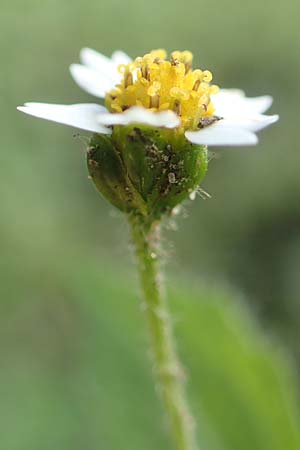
[[145, 170]]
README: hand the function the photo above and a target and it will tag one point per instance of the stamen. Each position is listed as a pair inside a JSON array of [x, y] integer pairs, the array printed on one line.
[[128, 79], [179, 94], [159, 84], [154, 101], [188, 68], [154, 89], [207, 76], [145, 72], [214, 89], [160, 53], [177, 107], [196, 85], [164, 106], [175, 62], [188, 61]]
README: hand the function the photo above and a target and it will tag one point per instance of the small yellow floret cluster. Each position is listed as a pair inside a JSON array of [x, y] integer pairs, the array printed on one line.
[[159, 84]]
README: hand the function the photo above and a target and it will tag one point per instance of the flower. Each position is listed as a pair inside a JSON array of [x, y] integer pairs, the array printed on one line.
[[160, 93]]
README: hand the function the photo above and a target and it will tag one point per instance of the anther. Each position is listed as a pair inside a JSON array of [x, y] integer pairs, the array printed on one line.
[[174, 62], [145, 72], [128, 79], [154, 101], [196, 85], [207, 76], [188, 67], [177, 107]]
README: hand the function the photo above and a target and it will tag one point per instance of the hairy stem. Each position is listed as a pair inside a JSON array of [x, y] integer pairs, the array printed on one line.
[[167, 368]]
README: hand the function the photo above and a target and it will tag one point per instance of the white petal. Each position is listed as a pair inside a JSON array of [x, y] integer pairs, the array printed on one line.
[[102, 63], [222, 134], [230, 102], [141, 115], [98, 74], [96, 61], [253, 123], [238, 93], [120, 57], [83, 115], [91, 81], [257, 105]]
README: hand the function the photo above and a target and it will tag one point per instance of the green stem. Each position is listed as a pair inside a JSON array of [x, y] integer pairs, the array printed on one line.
[[168, 371]]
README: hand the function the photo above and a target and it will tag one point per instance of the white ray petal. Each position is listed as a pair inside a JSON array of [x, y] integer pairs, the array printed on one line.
[[83, 115], [220, 134], [90, 81], [139, 115], [120, 57], [254, 123], [230, 102], [96, 61], [232, 92], [101, 63], [257, 105]]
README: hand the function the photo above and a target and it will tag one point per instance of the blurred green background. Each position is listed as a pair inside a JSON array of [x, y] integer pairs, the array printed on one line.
[[74, 373]]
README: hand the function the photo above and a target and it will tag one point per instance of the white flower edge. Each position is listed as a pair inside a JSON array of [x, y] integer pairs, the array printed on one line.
[[96, 118], [98, 74], [220, 134], [233, 102], [240, 118], [140, 115], [231, 131], [97, 61], [82, 116], [90, 81]]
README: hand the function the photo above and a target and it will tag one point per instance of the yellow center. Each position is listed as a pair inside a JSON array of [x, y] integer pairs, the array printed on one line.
[[158, 84]]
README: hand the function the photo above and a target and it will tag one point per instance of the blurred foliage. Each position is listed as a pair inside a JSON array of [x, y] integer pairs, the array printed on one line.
[[76, 375], [63, 355]]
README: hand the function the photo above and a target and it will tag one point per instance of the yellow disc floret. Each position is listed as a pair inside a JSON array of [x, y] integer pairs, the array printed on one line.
[[159, 84]]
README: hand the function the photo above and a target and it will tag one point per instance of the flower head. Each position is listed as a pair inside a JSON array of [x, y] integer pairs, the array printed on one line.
[[156, 84], [162, 93], [148, 151]]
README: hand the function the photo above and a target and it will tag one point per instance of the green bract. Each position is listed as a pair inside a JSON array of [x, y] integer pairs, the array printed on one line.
[[145, 170]]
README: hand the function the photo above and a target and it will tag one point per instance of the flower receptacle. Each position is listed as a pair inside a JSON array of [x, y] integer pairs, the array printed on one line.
[[109, 175], [144, 169]]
